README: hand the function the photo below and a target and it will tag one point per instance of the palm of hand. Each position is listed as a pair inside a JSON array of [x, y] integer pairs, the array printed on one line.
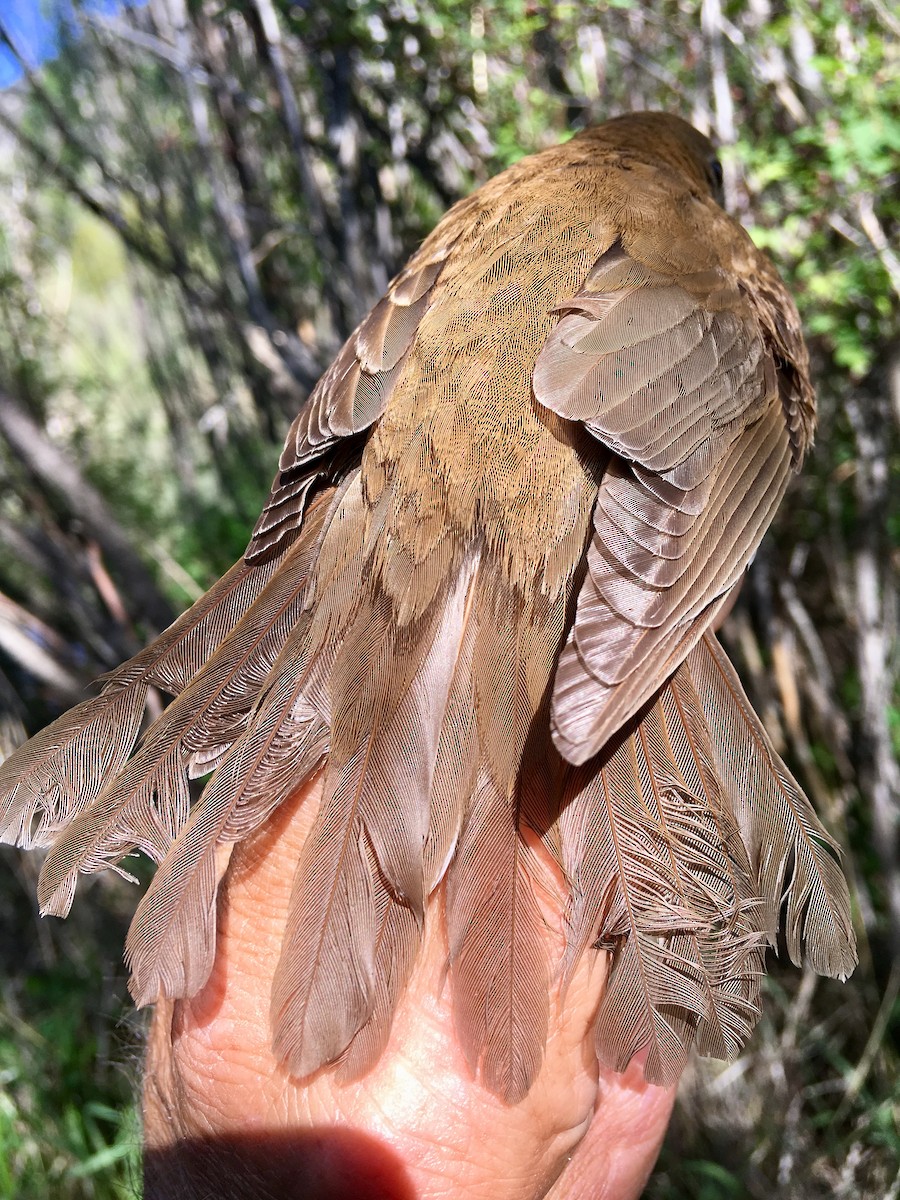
[[221, 1112]]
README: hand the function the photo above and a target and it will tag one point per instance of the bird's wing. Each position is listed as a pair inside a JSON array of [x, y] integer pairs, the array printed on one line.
[[349, 398], [65, 770], [676, 375]]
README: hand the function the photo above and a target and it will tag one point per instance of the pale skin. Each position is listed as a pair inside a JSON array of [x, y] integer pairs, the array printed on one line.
[[223, 1118]]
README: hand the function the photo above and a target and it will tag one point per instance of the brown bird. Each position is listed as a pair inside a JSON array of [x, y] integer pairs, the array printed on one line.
[[480, 598]]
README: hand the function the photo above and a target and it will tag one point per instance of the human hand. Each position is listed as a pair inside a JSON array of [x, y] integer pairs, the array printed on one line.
[[223, 1118]]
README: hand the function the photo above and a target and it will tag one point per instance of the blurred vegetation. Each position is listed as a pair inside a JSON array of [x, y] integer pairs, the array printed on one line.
[[197, 202]]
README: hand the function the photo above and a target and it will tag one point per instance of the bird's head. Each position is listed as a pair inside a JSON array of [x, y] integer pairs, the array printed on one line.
[[671, 140]]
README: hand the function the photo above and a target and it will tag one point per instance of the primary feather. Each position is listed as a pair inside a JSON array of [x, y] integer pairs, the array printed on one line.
[[479, 600]]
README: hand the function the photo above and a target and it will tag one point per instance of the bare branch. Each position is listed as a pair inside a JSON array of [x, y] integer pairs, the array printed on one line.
[[60, 477], [876, 607], [229, 209], [39, 649], [868, 219]]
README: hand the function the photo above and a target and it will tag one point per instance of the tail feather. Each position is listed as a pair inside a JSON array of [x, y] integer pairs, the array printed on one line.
[[500, 972], [397, 938], [174, 659], [362, 871], [680, 842], [322, 994], [171, 943], [63, 769], [456, 760], [146, 804], [499, 962], [683, 739], [795, 860], [661, 879]]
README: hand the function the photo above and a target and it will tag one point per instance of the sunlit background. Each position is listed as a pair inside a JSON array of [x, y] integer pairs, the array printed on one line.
[[197, 203]]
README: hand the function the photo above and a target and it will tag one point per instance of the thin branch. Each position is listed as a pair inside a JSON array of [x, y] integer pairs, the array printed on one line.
[[272, 49], [60, 476], [875, 604], [144, 41], [229, 209], [868, 219], [886, 17], [197, 289], [68, 134], [38, 649]]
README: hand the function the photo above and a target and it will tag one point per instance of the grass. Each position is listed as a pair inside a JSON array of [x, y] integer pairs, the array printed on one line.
[[69, 1125]]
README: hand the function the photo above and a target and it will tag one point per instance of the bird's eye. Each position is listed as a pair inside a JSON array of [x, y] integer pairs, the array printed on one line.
[[717, 177]]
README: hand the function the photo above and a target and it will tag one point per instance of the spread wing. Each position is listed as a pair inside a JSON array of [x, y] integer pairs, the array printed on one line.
[[74, 770], [677, 377]]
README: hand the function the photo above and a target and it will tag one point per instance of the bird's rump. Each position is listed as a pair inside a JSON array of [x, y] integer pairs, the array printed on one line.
[[479, 600]]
